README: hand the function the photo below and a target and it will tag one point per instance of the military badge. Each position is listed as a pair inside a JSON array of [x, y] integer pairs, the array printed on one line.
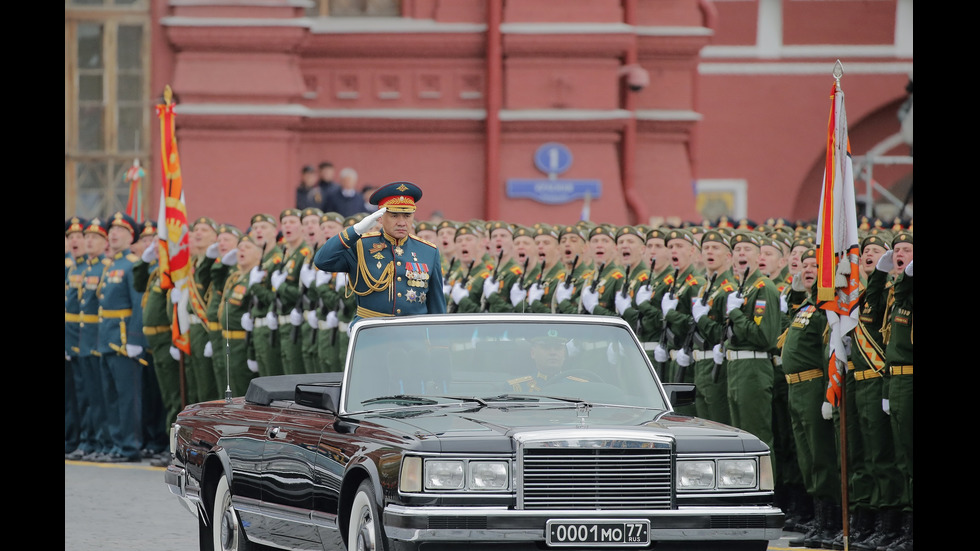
[[377, 247]]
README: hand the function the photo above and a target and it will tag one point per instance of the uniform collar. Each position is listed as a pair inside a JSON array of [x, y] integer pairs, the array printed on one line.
[[392, 240]]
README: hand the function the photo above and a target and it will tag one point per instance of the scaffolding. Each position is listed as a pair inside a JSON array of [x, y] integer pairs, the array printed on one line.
[[864, 172]]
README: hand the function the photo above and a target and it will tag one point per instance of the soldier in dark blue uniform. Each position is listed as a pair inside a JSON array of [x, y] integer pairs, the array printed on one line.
[[392, 272], [121, 342]]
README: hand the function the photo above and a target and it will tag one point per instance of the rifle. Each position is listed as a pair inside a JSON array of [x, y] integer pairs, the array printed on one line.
[[449, 270], [520, 282], [689, 340], [276, 308], [592, 287], [728, 326], [294, 334], [469, 269], [639, 317], [484, 303], [626, 282], [663, 333]]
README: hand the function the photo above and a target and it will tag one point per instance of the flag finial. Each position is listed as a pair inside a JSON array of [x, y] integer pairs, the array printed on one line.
[[168, 94], [838, 70]]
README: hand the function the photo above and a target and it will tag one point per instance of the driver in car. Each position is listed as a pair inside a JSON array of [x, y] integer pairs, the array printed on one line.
[[548, 354]]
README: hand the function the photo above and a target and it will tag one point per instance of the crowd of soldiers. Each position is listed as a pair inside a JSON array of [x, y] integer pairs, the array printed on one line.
[[729, 306]]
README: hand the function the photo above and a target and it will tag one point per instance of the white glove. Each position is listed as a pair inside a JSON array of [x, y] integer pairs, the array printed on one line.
[[717, 355], [307, 275], [133, 350], [311, 319], [255, 275], [175, 353], [885, 263], [272, 321], [612, 354], [698, 310], [253, 365], [67, 357], [827, 411], [295, 317], [277, 278], [885, 407], [340, 281], [369, 221], [332, 320], [683, 358], [563, 292], [908, 269], [212, 251], [208, 350], [783, 305], [247, 322], [590, 298], [150, 253], [571, 348], [623, 302], [322, 278], [230, 258], [489, 287], [458, 292], [175, 295], [535, 292], [344, 328], [797, 283], [660, 354], [446, 288], [667, 304], [643, 294], [735, 301], [517, 295]]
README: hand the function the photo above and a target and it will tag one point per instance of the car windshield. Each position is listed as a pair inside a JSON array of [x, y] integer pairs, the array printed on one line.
[[497, 363]]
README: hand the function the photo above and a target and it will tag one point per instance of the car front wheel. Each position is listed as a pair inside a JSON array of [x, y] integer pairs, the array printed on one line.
[[226, 528], [364, 528]]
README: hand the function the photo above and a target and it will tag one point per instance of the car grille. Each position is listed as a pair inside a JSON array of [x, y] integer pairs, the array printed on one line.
[[628, 475]]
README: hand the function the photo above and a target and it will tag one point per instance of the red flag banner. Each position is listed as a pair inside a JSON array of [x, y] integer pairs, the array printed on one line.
[[837, 242], [134, 207], [174, 235]]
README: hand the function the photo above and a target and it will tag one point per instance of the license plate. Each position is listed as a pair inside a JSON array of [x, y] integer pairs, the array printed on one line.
[[598, 532]]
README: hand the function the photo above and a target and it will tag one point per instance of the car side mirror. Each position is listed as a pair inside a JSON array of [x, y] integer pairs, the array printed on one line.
[[326, 397], [679, 394]]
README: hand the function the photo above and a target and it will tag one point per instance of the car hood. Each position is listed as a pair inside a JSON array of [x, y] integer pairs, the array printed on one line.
[[492, 428]]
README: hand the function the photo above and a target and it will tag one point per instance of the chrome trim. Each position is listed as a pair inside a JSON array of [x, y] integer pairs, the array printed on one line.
[[184, 487]]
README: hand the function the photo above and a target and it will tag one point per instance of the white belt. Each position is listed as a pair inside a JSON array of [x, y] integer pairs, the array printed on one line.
[[777, 361], [322, 325], [195, 320], [284, 320], [746, 355], [673, 354], [344, 326], [260, 322], [650, 346], [699, 355]]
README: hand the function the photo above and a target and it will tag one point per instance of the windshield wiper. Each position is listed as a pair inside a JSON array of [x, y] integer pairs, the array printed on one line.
[[465, 399], [407, 399], [531, 398]]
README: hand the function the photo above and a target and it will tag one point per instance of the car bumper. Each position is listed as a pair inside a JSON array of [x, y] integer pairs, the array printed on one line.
[[412, 526], [184, 487]]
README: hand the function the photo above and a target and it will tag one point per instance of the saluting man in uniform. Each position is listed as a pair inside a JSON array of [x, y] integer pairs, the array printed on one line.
[[392, 272]]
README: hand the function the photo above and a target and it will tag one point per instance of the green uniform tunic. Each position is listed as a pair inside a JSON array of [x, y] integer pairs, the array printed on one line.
[[711, 383], [218, 361], [201, 384], [265, 339], [288, 295], [235, 301], [805, 357], [157, 323]]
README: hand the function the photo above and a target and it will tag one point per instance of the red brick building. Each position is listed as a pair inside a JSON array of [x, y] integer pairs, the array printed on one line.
[[657, 108]]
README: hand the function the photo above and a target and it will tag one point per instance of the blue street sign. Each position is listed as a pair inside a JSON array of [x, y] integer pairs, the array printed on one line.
[[553, 158], [553, 192]]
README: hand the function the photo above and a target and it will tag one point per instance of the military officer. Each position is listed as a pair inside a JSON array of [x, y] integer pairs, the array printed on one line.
[[121, 342], [223, 262], [75, 399], [242, 367], [263, 317], [199, 383], [392, 272]]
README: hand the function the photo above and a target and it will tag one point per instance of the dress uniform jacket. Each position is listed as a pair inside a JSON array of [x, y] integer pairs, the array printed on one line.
[[390, 277]]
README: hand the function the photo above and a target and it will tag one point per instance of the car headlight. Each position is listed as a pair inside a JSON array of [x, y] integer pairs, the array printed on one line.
[[453, 474], [488, 475], [736, 473], [444, 475], [695, 475]]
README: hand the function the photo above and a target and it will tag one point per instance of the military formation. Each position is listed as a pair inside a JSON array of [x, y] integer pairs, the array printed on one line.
[[728, 305]]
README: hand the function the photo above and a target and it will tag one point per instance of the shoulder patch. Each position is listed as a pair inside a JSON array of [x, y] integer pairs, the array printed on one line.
[[371, 234], [305, 251], [669, 280], [691, 279], [643, 277], [616, 274], [760, 284], [132, 257], [516, 270], [420, 240]]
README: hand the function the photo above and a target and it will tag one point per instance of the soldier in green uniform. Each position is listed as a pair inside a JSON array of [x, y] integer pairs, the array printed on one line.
[[326, 303], [573, 246], [805, 357], [507, 270], [598, 293], [708, 312], [541, 280], [199, 383], [645, 314], [755, 321], [235, 302], [263, 319], [466, 280], [224, 255], [309, 328], [446, 241], [893, 279], [874, 483], [286, 286], [630, 246]]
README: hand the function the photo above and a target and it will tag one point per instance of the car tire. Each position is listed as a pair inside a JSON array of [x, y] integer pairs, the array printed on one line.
[[364, 528], [227, 531]]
